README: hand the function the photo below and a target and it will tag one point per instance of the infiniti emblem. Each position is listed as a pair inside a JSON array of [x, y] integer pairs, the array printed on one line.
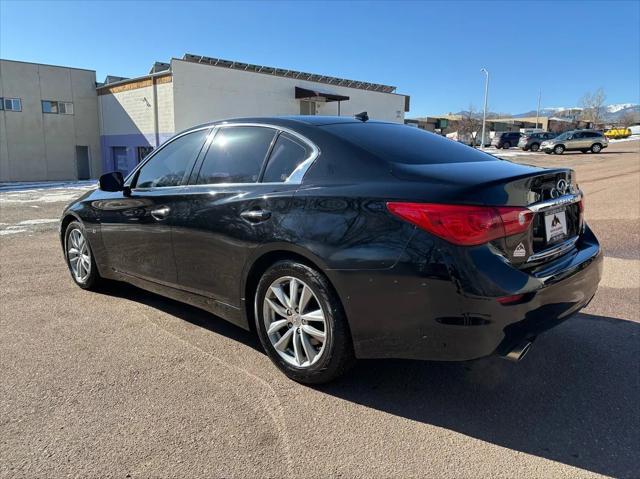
[[560, 189]]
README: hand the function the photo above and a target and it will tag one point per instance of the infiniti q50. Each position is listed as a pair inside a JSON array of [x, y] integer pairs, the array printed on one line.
[[336, 238]]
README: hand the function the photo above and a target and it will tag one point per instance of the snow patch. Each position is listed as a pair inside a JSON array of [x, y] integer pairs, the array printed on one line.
[[619, 106], [40, 221]]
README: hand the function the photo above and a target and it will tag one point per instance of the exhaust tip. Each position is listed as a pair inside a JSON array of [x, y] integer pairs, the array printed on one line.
[[519, 351]]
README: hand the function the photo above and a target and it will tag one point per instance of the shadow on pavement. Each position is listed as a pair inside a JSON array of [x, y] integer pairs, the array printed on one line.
[[195, 316], [574, 399]]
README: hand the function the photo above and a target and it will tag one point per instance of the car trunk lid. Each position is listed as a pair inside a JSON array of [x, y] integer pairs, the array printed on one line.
[[550, 193]]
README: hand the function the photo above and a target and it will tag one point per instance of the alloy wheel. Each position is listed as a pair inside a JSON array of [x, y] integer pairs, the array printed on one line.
[[79, 255], [294, 321]]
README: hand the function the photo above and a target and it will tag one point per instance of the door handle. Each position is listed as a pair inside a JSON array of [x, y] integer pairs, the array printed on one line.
[[160, 213], [256, 216]]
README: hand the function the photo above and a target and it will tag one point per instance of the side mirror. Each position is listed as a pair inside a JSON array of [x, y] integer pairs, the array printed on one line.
[[112, 181]]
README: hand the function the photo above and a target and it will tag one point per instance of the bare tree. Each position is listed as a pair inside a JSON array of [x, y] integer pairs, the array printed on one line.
[[469, 126], [629, 118], [593, 106]]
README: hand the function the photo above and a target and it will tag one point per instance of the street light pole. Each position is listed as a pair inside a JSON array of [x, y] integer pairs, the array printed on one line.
[[538, 110], [484, 111]]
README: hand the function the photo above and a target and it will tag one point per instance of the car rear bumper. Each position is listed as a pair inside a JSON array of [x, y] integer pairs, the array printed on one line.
[[433, 305]]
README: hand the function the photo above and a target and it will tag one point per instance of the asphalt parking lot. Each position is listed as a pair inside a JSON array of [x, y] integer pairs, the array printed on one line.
[[124, 383]]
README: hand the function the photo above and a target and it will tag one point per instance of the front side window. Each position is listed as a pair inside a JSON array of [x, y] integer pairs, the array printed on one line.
[[13, 104], [236, 155], [169, 165], [286, 156]]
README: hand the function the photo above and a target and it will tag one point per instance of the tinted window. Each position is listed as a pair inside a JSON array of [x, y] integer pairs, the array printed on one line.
[[404, 144], [236, 155], [286, 156], [169, 165]]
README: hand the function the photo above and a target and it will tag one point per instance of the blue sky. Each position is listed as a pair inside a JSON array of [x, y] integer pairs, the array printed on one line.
[[432, 51]]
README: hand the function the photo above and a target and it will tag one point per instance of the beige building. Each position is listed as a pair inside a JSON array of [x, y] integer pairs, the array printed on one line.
[[48, 123], [138, 114]]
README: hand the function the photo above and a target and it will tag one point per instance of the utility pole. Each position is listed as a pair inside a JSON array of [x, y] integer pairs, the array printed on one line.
[[538, 110], [484, 111]]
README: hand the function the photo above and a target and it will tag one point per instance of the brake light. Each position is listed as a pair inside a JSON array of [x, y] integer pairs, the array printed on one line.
[[465, 225]]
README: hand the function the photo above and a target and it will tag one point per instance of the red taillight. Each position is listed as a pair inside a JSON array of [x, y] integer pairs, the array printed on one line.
[[465, 225], [510, 299]]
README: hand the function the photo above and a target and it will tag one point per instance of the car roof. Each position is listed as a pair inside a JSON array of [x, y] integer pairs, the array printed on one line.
[[289, 121]]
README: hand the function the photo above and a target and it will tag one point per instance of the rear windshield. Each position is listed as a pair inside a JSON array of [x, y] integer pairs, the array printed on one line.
[[405, 144]]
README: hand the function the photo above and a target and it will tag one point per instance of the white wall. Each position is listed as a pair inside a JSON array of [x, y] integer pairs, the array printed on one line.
[[205, 93], [131, 111], [39, 146]]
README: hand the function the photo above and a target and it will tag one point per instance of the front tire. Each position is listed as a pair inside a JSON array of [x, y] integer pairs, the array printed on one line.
[[596, 148], [79, 257], [558, 150], [507, 145], [301, 323], [535, 147]]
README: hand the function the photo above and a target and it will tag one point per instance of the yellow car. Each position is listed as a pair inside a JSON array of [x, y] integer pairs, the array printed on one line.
[[615, 133]]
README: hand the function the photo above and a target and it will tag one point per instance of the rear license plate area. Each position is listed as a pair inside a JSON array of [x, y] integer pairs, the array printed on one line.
[[555, 226]]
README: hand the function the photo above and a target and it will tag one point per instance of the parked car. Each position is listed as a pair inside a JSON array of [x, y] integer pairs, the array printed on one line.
[[534, 140], [337, 238], [576, 140], [617, 133], [506, 139]]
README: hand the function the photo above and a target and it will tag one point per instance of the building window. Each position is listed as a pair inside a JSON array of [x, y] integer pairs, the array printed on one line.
[[65, 107], [61, 107], [49, 106], [12, 104], [142, 152]]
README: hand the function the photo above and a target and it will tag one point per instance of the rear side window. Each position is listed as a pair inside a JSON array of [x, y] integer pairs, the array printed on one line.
[[403, 144], [286, 156], [236, 155], [169, 165]]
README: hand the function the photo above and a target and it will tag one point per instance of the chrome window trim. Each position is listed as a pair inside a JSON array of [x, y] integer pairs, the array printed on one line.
[[294, 178], [554, 250], [555, 202]]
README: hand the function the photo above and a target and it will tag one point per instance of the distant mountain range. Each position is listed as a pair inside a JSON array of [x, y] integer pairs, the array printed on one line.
[[613, 112]]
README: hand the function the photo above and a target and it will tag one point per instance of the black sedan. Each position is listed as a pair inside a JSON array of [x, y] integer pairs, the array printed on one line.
[[338, 238]]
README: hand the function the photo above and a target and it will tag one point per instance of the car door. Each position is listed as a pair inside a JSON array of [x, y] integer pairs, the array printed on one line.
[[577, 141], [244, 185], [136, 224]]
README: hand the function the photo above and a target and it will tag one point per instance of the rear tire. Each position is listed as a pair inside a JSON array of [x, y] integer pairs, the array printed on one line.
[[506, 145], [558, 150], [584, 151], [318, 346], [79, 257], [535, 147], [596, 148]]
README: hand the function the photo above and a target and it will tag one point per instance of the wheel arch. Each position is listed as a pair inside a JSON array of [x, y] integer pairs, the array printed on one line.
[[266, 257], [67, 218]]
